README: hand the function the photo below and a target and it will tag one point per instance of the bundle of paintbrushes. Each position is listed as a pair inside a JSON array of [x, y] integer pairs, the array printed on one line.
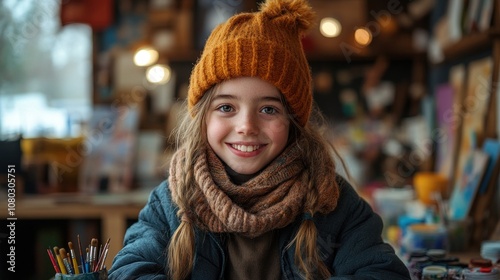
[[66, 263]]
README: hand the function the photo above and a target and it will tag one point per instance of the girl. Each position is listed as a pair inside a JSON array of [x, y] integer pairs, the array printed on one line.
[[252, 190]]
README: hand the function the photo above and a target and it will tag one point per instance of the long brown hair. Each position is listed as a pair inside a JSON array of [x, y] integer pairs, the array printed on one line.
[[191, 135]]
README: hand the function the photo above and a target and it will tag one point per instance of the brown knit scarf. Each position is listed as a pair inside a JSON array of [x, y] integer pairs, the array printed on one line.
[[268, 201]]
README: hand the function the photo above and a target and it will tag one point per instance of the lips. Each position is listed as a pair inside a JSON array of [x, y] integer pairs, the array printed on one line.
[[245, 148]]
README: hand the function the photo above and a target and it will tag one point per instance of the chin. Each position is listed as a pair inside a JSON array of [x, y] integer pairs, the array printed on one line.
[[246, 171]]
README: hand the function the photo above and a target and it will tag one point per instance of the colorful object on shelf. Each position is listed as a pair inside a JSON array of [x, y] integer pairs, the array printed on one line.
[[427, 185], [466, 184], [490, 249], [96, 13], [424, 236], [390, 203]]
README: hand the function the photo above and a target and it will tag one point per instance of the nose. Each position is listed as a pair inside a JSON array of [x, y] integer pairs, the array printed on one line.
[[247, 124]]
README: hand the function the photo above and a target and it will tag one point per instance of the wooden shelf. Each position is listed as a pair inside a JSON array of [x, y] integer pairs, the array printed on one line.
[[162, 18], [470, 44], [180, 55]]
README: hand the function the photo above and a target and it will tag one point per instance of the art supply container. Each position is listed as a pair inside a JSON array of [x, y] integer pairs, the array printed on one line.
[[480, 273], [434, 272], [458, 235], [99, 275], [490, 249], [480, 263], [390, 203], [428, 183], [425, 236]]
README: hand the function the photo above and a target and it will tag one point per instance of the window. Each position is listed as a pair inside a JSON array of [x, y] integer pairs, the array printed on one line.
[[45, 71]]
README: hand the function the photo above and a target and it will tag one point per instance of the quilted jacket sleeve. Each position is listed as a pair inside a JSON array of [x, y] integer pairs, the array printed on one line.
[[143, 255], [361, 252]]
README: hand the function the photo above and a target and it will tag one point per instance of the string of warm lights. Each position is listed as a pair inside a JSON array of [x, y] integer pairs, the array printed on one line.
[[156, 73], [331, 27]]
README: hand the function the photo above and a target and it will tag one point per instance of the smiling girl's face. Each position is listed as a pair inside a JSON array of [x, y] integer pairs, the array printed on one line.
[[247, 124]]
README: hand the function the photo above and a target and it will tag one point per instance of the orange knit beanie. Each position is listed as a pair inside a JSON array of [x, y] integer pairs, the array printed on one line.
[[264, 44]]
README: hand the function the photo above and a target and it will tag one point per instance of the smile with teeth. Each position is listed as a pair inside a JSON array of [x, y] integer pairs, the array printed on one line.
[[245, 148]]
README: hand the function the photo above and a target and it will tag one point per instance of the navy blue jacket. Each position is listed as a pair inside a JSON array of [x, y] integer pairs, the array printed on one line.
[[349, 240]]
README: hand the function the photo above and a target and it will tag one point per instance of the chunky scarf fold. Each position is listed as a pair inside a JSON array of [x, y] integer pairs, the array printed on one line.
[[268, 201]]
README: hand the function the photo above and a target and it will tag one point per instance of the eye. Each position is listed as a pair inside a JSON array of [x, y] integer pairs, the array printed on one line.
[[269, 110], [224, 108]]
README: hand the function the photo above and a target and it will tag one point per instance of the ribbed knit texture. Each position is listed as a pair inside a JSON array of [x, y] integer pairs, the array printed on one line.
[[265, 44], [268, 201]]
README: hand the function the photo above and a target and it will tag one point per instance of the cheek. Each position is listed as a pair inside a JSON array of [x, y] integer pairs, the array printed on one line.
[[215, 129], [283, 125], [280, 129]]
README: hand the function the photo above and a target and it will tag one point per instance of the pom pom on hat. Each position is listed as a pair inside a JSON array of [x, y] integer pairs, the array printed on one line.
[[295, 12], [264, 44]]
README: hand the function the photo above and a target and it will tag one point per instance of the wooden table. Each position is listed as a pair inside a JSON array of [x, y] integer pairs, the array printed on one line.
[[113, 210]]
